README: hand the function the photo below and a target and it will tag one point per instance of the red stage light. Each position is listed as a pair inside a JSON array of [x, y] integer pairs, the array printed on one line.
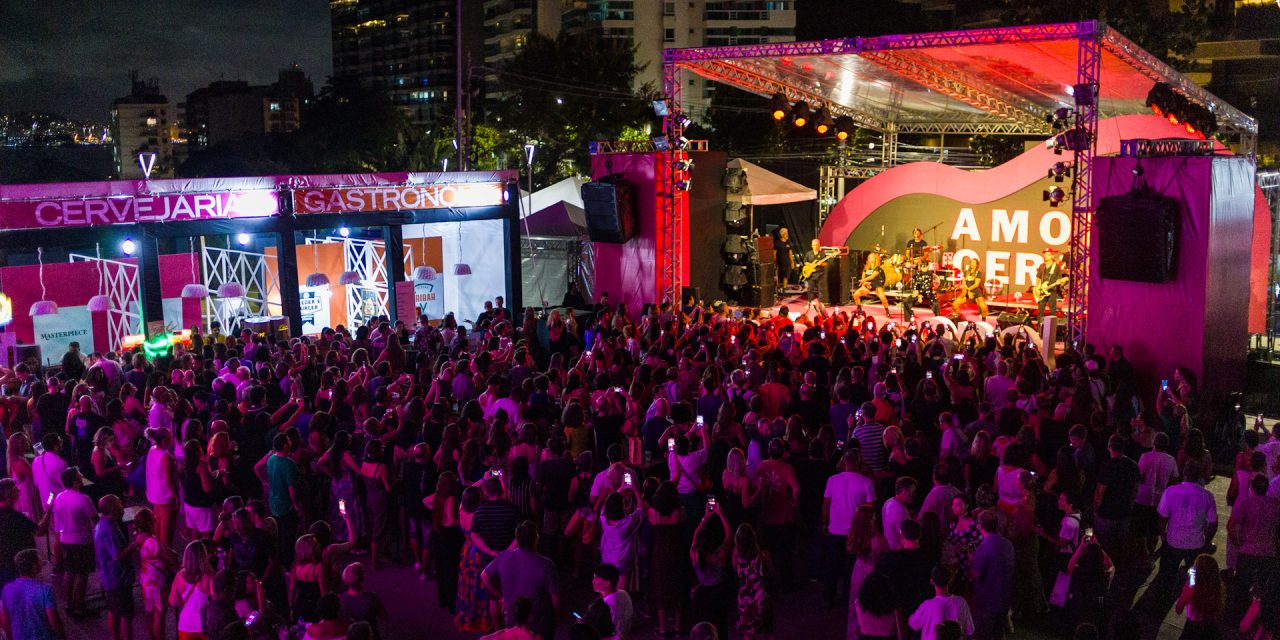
[[779, 114], [1173, 119], [842, 135], [1155, 108], [1190, 128], [801, 121]]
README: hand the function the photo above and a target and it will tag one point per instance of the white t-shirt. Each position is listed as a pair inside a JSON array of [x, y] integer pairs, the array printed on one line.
[[937, 610], [1069, 530], [73, 514], [47, 470], [620, 606], [1190, 508], [847, 491], [1157, 468], [690, 466], [159, 491], [893, 515]]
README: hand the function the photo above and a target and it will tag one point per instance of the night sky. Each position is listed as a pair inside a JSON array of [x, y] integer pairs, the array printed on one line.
[[73, 57]]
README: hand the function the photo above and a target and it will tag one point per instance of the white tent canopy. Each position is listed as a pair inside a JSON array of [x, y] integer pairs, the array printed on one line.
[[766, 187]]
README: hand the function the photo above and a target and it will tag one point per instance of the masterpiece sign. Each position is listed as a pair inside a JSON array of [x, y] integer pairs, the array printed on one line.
[[408, 198], [130, 209]]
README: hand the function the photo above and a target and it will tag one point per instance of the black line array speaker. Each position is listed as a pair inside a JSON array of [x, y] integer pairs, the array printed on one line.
[[1137, 237], [609, 205], [764, 275], [760, 297], [839, 278]]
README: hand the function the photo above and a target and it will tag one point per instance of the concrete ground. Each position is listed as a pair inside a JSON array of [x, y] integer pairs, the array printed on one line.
[[414, 613]]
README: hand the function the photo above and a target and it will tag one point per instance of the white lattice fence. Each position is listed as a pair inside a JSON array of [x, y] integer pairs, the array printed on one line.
[[119, 281], [220, 266]]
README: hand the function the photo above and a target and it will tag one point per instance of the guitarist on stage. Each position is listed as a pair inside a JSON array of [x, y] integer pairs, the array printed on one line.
[[1050, 278], [816, 257]]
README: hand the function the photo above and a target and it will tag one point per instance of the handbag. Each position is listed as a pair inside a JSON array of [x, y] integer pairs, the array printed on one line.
[[1061, 587]]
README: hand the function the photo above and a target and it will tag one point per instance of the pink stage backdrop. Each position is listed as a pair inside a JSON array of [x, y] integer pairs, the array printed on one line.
[[71, 284], [1198, 320], [629, 271]]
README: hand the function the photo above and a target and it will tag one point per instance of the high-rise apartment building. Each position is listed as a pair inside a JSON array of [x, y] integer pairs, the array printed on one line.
[[653, 25], [230, 109], [406, 48], [509, 23], [140, 127]]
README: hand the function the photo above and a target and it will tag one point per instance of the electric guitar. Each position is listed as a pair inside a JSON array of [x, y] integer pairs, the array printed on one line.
[[810, 267], [1044, 288]]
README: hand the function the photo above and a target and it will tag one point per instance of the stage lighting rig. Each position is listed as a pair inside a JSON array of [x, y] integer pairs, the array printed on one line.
[[844, 128], [1061, 170], [801, 114], [1054, 196], [778, 106], [824, 124], [1060, 118]]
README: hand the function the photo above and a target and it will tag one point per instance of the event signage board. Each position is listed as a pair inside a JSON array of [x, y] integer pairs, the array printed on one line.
[[314, 302], [428, 296], [131, 209], [54, 332], [398, 198], [1007, 235]]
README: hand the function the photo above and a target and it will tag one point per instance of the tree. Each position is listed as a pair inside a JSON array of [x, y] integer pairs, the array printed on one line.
[[562, 94]]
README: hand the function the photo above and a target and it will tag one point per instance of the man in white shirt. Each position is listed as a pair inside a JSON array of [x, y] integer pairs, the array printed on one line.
[[1157, 469], [47, 468], [160, 416], [941, 608], [73, 518], [897, 510], [845, 492], [605, 583], [996, 389], [1271, 449], [1191, 518]]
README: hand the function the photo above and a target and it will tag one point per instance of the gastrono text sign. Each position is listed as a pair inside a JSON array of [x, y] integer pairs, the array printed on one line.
[[410, 198]]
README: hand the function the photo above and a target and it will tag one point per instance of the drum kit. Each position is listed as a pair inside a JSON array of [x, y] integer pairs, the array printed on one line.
[[922, 273]]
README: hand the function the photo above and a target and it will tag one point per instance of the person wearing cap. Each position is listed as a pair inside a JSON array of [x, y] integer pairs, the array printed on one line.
[[1052, 272]]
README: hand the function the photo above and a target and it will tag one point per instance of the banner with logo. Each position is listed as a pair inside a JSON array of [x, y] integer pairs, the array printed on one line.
[[173, 207], [428, 296], [315, 308], [408, 198], [55, 332]]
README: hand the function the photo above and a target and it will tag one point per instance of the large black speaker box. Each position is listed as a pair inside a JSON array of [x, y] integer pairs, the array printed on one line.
[[756, 296], [764, 275], [839, 278], [1137, 237], [609, 206]]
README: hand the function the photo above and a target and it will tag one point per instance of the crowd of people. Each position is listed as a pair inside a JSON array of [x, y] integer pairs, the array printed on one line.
[[691, 464]]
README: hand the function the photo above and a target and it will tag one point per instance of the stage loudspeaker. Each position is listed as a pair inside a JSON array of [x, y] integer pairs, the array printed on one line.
[[1049, 335], [689, 292], [764, 275], [1137, 237], [734, 277], [736, 249], [609, 206], [765, 250], [1012, 318], [734, 180], [735, 214], [758, 297], [839, 278]]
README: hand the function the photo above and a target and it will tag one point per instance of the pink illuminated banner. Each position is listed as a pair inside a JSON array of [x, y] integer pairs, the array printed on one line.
[[398, 198], [129, 209]]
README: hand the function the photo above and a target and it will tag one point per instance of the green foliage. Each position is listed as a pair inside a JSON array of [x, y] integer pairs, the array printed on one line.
[[563, 94], [995, 150]]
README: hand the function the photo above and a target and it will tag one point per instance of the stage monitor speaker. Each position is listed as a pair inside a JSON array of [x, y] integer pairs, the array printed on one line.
[[839, 278], [755, 296], [609, 206], [1049, 338], [1137, 237], [1012, 318], [689, 292]]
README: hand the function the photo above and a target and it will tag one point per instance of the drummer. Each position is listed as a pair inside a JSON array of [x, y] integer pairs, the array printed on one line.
[[872, 282], [917, 248]]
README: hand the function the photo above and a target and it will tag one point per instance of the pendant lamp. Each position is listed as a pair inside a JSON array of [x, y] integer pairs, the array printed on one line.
[[461, 268], [424, 273], [44, 306], [231, 290], [350, 277], [194, 289], [99, 302], [316, 278]]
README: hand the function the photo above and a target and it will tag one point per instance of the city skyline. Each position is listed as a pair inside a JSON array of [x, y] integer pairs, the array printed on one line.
[[73, 59]]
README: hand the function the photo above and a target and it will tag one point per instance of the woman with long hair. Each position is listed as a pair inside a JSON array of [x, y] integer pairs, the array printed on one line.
[[28, 503], [198, 500], [866, 543], [306, 578], [154, 562], [710, 554], [340, 466], [1090, 570], [739, 491], [875, 610], [377, 498], [191, 590], [446, 538], [753, 566], [668, 580], [472, 605], [962, 540], [1202, 600]]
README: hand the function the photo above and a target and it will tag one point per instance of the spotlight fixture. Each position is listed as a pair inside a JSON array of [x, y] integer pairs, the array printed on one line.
[[801, 113], [682, 185], [128, 246], [1059, 170], [824, 123], [844, 128], [660, 108], [661, 143], [682, 143], [1060, 118], [1054, 196], [684, 165], [683, 120], [778, 106], [344, 232], [242, 238]]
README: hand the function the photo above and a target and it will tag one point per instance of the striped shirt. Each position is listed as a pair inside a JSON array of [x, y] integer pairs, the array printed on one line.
[[870, 439]]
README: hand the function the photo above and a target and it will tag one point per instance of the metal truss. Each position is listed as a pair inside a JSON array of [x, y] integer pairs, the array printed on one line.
[[369, 259], [763, 50], [957, 85], [220, 266], [670, 195], [119, 281], [1152, 67], [757, 81], [637, 146], [996, 35], [968, 128], [829, 176], [1088, 71]]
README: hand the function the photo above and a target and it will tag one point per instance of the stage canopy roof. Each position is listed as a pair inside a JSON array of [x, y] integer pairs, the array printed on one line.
[[1000, 80], [765, 187]]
